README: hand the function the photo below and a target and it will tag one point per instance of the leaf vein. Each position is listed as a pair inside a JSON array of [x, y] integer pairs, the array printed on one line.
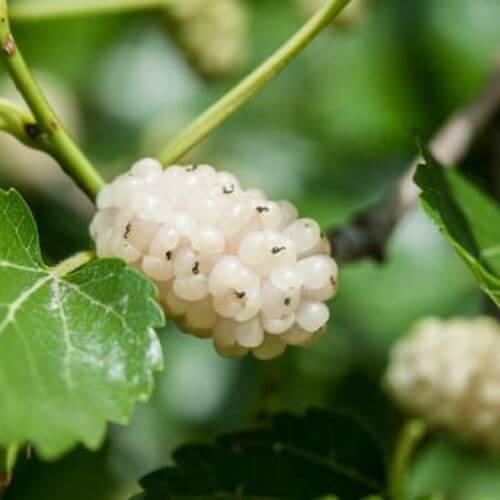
[[19, 267], [22, 298], [67, 335]]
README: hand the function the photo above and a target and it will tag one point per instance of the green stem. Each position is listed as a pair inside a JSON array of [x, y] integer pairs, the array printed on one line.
[[20, 123], [15, 121], [228, 104], [36, 10], [50, 128], [72, 263], [410, 437]]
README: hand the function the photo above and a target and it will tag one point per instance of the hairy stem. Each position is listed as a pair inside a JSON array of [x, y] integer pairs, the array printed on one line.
[[35, 10], [410, 437], [73, 263], [227, 105], [50, 129]]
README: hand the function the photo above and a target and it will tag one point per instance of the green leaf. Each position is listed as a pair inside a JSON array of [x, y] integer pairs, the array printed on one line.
[[320, 454], [468, 218], [76, 350]]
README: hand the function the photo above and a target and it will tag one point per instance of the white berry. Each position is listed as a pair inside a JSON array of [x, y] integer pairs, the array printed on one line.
[[230, 264], [448, 372]]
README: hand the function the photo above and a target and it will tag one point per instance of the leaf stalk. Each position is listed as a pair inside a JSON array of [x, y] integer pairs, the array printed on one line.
[[73, 263]]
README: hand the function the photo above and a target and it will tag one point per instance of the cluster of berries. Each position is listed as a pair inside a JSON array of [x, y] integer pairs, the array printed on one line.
[[448, 372], [211, 32], [230, 264]]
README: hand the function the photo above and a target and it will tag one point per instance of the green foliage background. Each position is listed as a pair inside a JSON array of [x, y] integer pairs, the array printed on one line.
[[330, 134]]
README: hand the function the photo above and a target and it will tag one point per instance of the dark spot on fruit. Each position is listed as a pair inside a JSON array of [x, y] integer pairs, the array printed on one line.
[[196, 268], [240, 295], [191, 168], [287, 301], [262, 209], [277, 250], [333, 281], [228, 189], [128, 230], [168, 255]]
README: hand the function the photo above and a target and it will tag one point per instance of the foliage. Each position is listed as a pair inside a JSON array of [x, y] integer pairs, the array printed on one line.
[[77, 349], [330, 134], [468, 219], [305, 457]]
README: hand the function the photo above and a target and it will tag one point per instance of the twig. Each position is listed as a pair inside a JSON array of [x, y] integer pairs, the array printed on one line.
[[233, 100], [367, 234], [49, 129]]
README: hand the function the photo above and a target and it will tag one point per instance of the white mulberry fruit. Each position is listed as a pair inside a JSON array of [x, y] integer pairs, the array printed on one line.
[[448, 372], [211, 32], [229, 263]]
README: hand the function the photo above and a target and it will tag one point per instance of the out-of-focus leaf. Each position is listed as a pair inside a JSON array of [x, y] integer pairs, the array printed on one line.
[[76, 350], [468, 219], [307, 457], [432, 496]]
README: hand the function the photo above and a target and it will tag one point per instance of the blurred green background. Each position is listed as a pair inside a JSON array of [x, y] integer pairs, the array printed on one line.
[[331, 134]]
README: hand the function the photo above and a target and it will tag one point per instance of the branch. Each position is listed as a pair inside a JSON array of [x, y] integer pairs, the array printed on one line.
[[35, 10], [367, 234], [50, 129], [233, 100]]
